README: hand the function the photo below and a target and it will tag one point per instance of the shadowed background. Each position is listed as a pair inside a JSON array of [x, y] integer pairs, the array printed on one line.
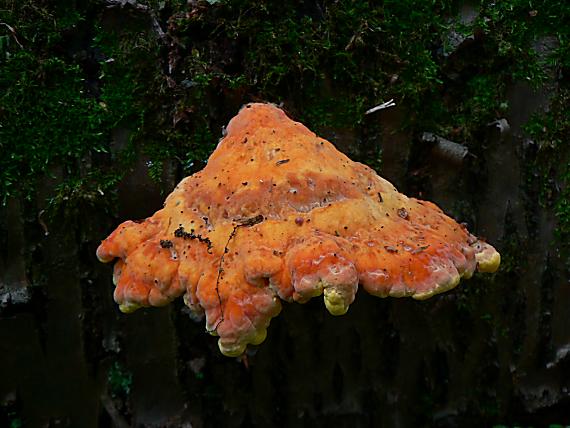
[[106, 105]]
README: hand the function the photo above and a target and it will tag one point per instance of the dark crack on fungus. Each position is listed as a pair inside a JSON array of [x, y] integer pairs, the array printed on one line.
[[248, 222]]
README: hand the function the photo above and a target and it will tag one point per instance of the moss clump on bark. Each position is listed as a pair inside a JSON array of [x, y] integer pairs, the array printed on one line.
[[173, 72]]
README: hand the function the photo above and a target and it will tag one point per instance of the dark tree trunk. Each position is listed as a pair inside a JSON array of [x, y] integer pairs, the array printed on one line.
[[495, 350]]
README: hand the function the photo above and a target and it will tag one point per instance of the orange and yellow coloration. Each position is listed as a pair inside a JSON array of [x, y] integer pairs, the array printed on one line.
[[279, 214]]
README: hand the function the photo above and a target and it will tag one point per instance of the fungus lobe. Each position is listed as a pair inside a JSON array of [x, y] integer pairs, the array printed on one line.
[[309, 222]]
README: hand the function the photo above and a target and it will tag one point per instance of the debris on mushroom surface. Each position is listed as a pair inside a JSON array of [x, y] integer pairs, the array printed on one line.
[[279, 214]]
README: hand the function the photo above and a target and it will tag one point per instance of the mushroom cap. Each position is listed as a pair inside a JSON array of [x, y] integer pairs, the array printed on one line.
[[279, 214]]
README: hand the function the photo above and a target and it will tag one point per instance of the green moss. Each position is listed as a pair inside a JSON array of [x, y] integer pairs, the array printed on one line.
[[10, 415], [119, 380], [46, 117], [16, 423], [336, 61], [79, 75], [58, 105]]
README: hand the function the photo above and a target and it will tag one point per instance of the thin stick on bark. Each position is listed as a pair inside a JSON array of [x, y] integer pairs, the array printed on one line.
[[11, 29]]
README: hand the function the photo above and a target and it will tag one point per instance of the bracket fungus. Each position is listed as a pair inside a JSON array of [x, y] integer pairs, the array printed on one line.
[[279, 214]]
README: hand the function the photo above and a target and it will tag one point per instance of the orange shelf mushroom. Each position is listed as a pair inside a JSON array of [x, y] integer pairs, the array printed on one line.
[[279, 214]]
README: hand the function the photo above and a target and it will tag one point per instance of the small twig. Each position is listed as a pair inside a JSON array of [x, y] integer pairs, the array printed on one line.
[[9, 27], [382, 106], [243, 223], [501, 124], [42, 223], [156, 26]]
